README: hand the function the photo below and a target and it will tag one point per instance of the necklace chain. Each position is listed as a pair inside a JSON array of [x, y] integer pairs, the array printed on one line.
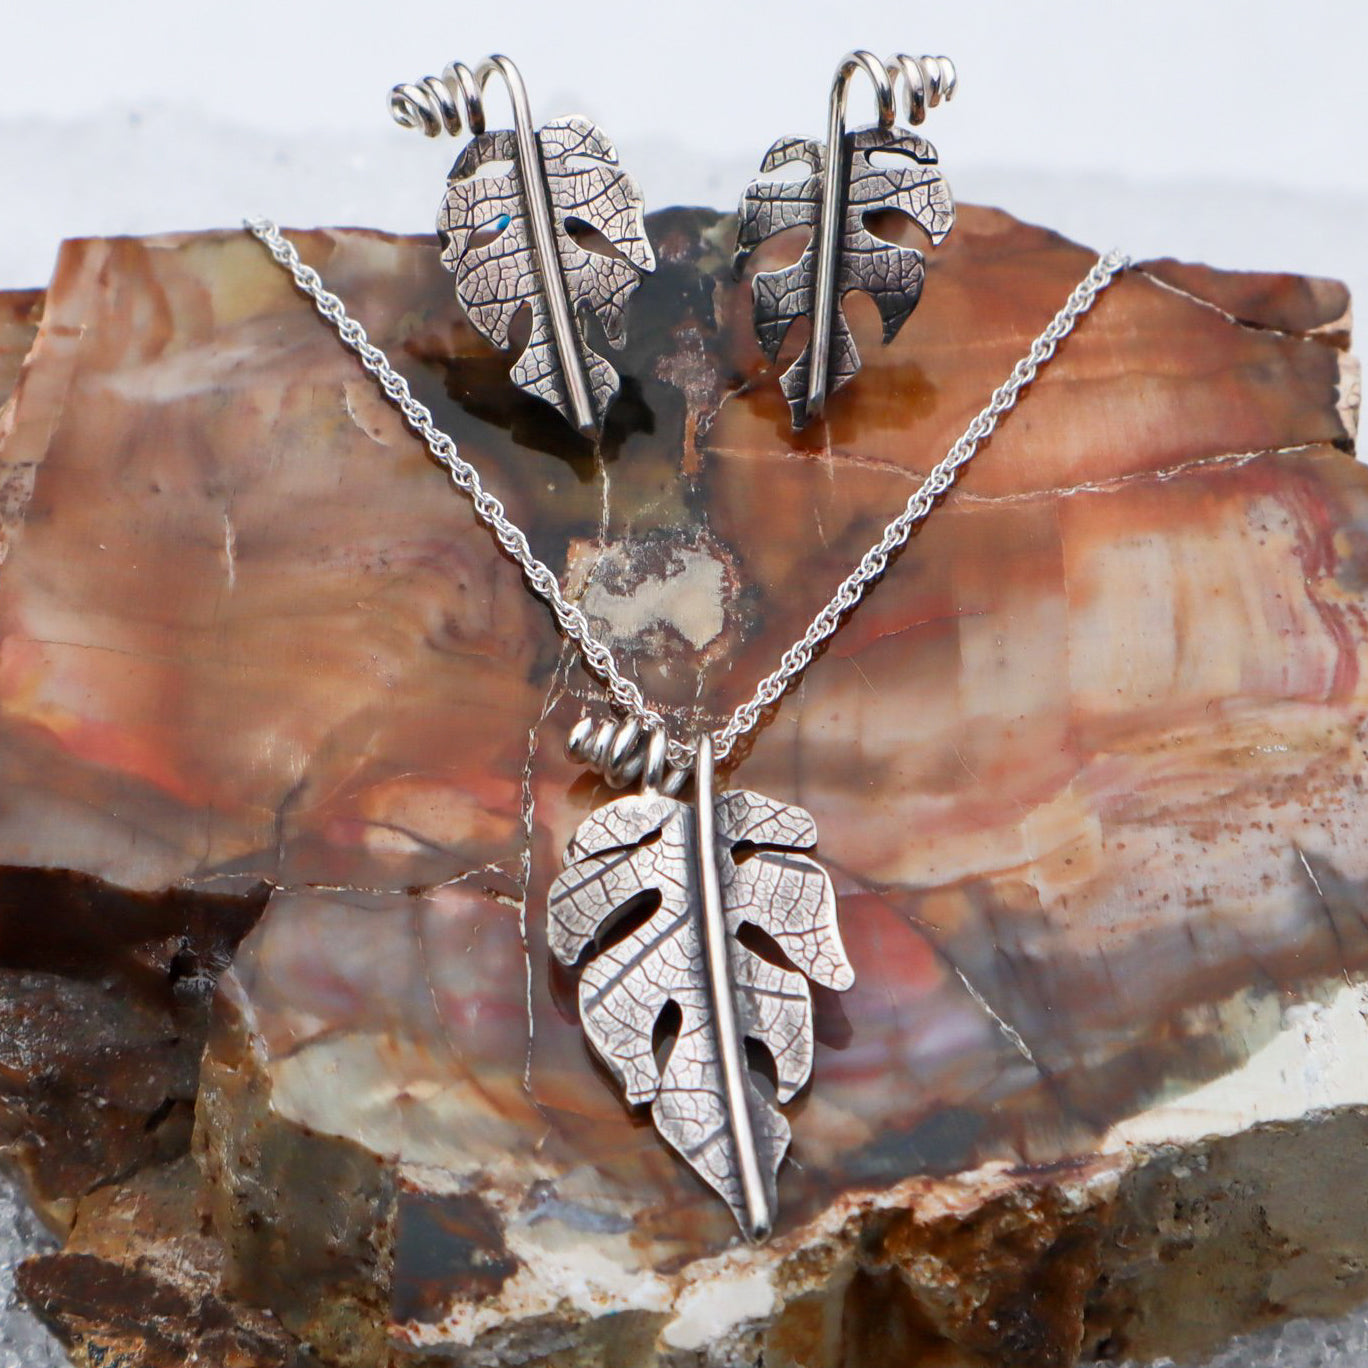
[[570, 618]]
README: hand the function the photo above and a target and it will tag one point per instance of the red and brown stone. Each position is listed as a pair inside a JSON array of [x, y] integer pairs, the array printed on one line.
[[1088, 768]]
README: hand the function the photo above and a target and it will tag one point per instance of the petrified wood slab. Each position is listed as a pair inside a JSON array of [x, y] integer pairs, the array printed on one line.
[[1088, 768]]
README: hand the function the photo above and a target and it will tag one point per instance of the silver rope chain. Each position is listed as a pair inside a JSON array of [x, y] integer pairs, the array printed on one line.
[[570, 619]]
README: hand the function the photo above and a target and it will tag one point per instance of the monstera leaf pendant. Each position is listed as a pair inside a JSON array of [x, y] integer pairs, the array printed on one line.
[[700, 874]]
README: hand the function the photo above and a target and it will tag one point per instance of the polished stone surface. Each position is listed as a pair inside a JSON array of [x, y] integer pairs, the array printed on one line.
[[1087, 768]]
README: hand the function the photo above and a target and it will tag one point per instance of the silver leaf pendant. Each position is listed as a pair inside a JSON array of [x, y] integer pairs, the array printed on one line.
[[707, 869]]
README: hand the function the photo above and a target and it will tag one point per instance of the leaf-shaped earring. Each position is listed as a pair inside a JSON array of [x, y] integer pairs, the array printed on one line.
[[855, 174], [514, 202]]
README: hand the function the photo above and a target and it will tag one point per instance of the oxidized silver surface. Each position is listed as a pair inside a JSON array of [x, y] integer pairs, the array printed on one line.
[[845, 186], [496, 277], [705, 1101]]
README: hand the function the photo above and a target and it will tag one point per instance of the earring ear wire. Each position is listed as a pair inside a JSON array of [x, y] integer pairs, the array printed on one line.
[[567, 168]]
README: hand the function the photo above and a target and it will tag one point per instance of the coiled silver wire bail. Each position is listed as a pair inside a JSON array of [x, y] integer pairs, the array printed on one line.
[[446, 103], [623, 752], [926, 82]]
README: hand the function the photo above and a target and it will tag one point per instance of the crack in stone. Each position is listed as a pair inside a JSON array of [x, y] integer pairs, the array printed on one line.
[[467, 876], [1221, 461], [230, 549], [527, 811], [1323, 903], [557, 689], [605, 509], [965, 495], [923, 927], [1322, 336], [411, 891], [1008, 1031]]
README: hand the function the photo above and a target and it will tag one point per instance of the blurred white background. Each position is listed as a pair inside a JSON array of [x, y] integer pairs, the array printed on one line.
[[1226, 130]]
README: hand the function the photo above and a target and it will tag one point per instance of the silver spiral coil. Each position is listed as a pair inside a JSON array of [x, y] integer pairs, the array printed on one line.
[[926, 81], [624, 752], [446, 103]]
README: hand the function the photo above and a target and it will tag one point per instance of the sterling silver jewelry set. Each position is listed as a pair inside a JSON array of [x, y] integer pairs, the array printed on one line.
[[509, 226]]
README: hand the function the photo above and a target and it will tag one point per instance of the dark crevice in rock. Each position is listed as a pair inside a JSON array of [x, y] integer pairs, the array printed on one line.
[[447, 1248], [104, 1010]]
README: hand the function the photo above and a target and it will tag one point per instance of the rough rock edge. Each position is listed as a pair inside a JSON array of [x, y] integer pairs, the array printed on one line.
[[1089, 1245], [1017, 1268]]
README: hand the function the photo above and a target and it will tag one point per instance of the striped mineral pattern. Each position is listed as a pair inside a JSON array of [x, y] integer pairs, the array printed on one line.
[[284, 1054]]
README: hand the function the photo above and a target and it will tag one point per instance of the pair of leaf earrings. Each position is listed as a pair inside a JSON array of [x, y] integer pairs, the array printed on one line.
[[547, 220]]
